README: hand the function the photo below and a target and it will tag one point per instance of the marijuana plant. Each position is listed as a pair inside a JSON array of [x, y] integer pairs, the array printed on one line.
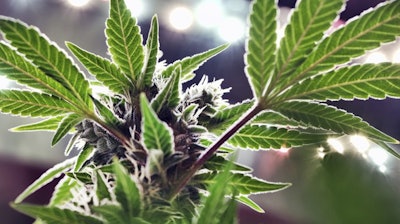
[[152, 152]]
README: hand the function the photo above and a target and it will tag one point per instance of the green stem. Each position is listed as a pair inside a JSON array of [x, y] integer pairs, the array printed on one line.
[[207, 154]]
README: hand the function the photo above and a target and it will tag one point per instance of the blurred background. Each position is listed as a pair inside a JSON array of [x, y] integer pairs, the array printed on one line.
[[353, 182]]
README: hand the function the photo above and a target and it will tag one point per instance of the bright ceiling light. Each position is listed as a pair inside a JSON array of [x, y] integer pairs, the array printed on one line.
[[231, 29], [136, 7], [209, 13], [181, 18], [376, 57], [79, 3], [336, 145]]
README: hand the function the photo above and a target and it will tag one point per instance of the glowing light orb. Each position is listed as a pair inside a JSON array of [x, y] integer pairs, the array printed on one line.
[[79, 3], [209, 13], [181, 18], [136, 7], [231, 29]]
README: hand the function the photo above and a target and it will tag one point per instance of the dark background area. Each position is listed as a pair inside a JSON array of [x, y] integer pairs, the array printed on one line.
[[336, 189]]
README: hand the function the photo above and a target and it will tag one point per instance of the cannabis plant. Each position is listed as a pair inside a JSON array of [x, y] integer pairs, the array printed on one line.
[[153, 152]]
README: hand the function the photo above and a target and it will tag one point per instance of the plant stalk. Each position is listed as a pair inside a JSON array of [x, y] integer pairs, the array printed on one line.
[[208, 153]]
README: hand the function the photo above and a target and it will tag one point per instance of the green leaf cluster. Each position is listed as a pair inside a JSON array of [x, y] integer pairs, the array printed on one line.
[[151, 151]]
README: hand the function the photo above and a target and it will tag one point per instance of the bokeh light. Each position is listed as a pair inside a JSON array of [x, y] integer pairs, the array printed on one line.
[[209, 13], [137, 7], [78, 3], [231, 29], [181, 18]]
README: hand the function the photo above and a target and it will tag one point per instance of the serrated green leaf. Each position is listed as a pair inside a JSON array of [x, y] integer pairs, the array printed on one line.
[[65, 126], [261, 45], [366, 32], [151, 57], [169, 96], [50, 124], [83, 177], [111, 214], [104, 70], [85, 154], [124, 39], [228, 116], [62, 192], [264, 137], [16, 67], [309, 21], [191, 64], [217, 163], [47, 56], [102, 186], [106, 113], [46, 178], [33, 104], [330, 118], [215, 204], [156, 134], [54, 215], [275, 119], [358, 81], [243, 184], [126, 191], [244, 199]]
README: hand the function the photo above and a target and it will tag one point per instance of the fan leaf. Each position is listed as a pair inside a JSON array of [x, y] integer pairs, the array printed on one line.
[[54, 215], [102, 186], [244, 199], [191, 64], [104, 70], [261, 45], [85, 154], [124, 39], [309, 21], [228, 116], [62, 192], [50, 124], [47, 56], [65, 126], [151, 57], [264, 137], [46, 178], [243, 184], [126, 191], [16, 67], [330, 118], [359, 81], [156, 134], [364, 33], [33, 104]]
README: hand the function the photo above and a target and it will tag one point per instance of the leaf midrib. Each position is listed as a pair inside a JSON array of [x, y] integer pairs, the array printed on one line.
[[354, 82], [59, 73], [327, 55], [124, 40], [292, 53]]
